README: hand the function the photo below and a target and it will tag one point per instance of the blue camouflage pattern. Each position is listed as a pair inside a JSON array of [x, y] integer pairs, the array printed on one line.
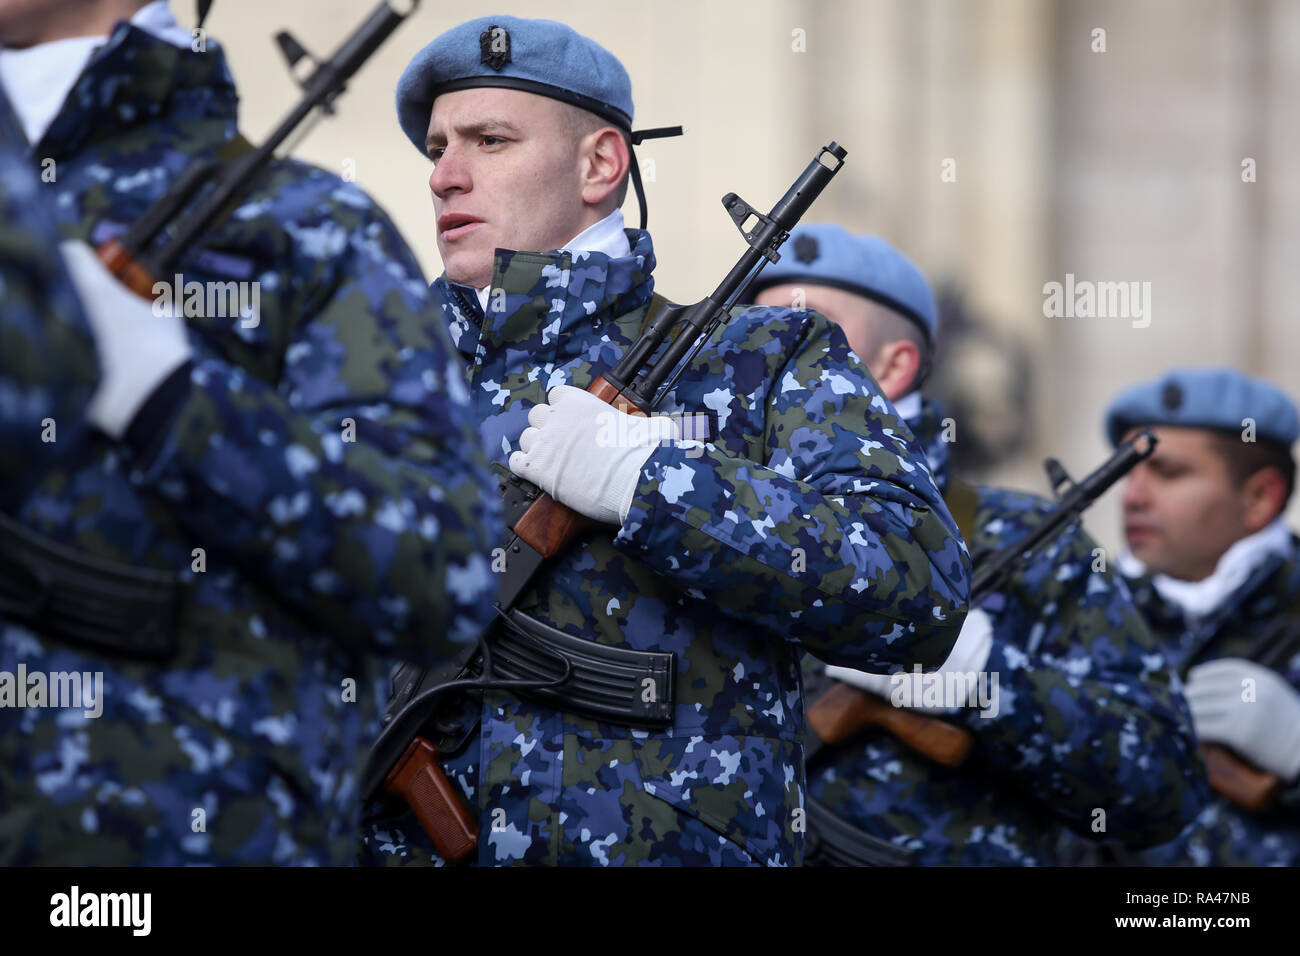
[[1224, 834], [807, 520], [323, 459], [48, 365], [1088, 717]]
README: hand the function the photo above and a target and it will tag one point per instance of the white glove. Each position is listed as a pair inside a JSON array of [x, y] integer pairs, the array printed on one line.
[[970, 655], [137, 349], [1265, 730], [586, 454]]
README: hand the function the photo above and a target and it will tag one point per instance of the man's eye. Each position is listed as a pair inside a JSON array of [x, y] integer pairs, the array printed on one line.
[[490, 140], [436, 154]]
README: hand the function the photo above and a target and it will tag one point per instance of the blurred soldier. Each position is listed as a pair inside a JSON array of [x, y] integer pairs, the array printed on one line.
[[1216, 573], [1077, 726], [268, 499], [48, 367], [806, 517]]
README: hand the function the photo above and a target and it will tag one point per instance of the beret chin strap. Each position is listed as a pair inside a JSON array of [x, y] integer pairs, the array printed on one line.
[[658, 132]]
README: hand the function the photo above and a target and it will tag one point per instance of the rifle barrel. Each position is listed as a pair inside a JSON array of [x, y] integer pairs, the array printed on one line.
[[320, 89], [1069, 510], [704, 317]]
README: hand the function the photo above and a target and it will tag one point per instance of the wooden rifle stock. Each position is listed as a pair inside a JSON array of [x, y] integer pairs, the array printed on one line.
[[1244, 785], [844, 710], [548, 526]]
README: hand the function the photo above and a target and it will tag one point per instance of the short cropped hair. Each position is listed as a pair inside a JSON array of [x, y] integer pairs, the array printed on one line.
[[1246, 458], [582, 122], [888, 325]]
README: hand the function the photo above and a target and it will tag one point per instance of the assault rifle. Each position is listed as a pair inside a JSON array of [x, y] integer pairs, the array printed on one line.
[[844, 710], [180, 216], [403, 762]]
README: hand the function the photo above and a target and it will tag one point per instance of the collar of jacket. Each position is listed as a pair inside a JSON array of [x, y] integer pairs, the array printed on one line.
[[928, 429], [135, 77], [1270, 588], [539, 299]]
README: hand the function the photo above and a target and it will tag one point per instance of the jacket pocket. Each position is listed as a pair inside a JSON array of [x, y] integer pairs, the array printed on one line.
[[742, 788]]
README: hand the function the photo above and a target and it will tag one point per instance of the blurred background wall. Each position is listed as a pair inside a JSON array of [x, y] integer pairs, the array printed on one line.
[[1000, 143]]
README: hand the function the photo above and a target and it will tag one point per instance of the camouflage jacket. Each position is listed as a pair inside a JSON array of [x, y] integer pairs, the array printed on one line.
[[321, 456], [1224, 834], [48, 366], [807, 520], [1083, 727]]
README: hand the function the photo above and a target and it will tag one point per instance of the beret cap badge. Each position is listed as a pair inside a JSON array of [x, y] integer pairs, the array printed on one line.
[[805, 249], [494, 47], [1171, 396]]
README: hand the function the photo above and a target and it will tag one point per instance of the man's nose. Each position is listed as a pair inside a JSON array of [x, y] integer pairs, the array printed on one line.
[[450, 174], [1136, 495]]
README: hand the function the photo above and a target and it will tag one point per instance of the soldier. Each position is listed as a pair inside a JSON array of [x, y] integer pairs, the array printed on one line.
[[1215, 571], [48, 368], [1074, 725], [803, 517], [268, 501]]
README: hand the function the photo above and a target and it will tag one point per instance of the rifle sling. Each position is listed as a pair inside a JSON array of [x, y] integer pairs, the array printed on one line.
[[834, 841]]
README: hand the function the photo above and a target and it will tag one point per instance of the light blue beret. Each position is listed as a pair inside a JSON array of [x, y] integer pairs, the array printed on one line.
[[538, 56], [1215, 398], [827, 254]]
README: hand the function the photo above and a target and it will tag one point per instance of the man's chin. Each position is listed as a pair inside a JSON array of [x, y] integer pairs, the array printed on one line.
[[467, 267], [1154, 559]]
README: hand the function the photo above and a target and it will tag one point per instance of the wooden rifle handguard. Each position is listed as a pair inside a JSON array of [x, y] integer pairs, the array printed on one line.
[[126, 270], [844, 710], [548, 526]]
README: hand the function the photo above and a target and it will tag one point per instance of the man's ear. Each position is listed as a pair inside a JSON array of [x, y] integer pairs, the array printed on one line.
[[895, 366], [605, 162], [1264, 494]]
